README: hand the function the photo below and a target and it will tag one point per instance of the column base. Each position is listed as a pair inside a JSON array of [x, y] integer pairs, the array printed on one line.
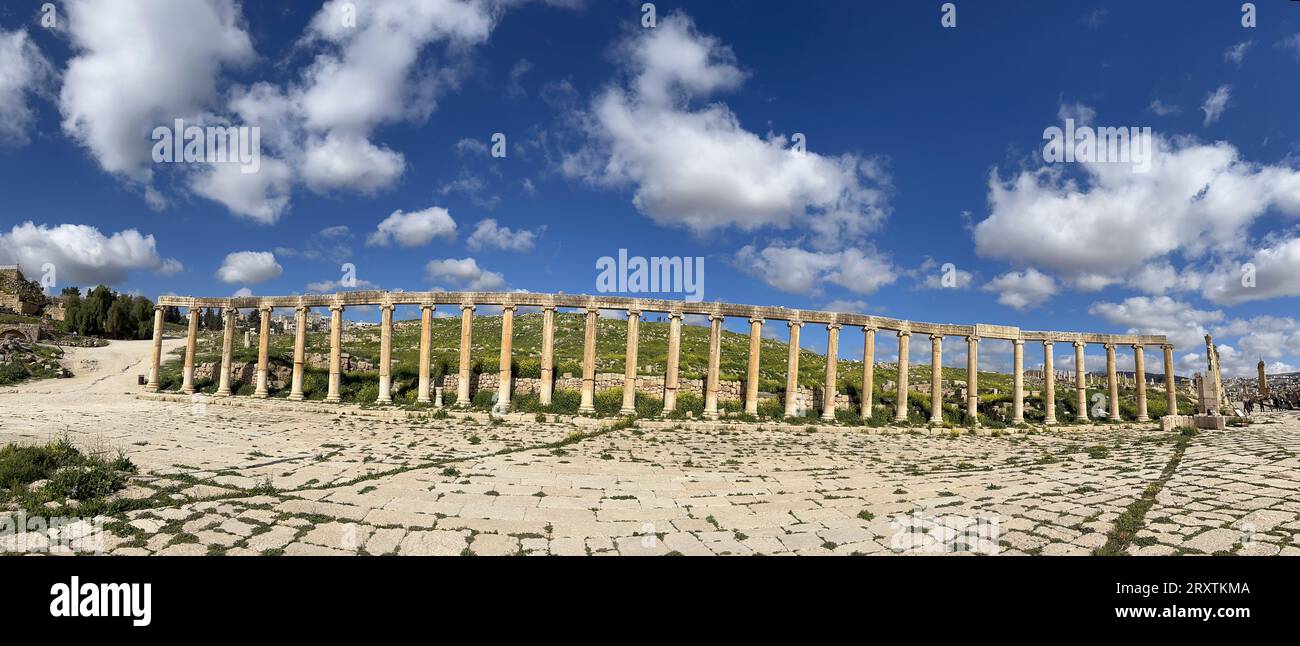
[[710, 415], [333, 399], [627, 411], [936, 420], [423, 399], [384, 400], [151, 388], [586, 409], [1050, 421], [828, 417], [260, 395], [1018, 421], [187, 390], [1144, 418], [222, 393], [295, 397]]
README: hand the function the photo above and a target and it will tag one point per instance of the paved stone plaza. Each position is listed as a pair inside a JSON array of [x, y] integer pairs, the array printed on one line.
[[272, 478]]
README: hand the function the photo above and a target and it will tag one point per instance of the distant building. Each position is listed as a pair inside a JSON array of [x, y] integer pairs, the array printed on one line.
[[19, 295]]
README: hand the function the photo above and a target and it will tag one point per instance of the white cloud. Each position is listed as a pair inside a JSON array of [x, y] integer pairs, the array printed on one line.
[[1083, 115], [249, 267], [1181, 322], [341, 161], [488, 234], [1276, 275], [696, 167], [1161, 277], [23, 72], [848, 306], [1196, 198], [1161, 109], [931, 275], [414, 229], [464, 272], [1022, 289], [262, 196], [1237, 53], [796, 270], [138, 65], [1215, 103], [467, 146], [331, 286], [81, 254]]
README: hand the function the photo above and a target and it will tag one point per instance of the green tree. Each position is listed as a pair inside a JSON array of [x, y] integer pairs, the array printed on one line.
[[118, 323]]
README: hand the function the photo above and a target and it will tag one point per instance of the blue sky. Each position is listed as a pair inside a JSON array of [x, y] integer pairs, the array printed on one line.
[[924, 147]]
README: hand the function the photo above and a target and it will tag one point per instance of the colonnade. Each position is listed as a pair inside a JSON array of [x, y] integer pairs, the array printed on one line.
[[716, 313]]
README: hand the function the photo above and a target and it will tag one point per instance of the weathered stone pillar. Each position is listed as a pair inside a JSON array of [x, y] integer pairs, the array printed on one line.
[[155, 356], [832, 369], [507, 356], [426, 352], [191, 345], [1080, 381], [385, 353], [936, 378], [715, 358], [1049, 384], [588, 403], [1112, 384], [1018, 381], [1171, 387], [227, 350], [547, 386], [900, 405], [336, 352], [466, 347], [973, 379], [792, 370], [263, 349], [630, 363], [674, 357], [751, 375], [1140, 380], [868, 371], [299, 352]]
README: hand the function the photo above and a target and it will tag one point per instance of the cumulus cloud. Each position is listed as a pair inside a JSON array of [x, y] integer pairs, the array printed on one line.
[[1161, 277], [1178, 320], [465, 273], [413, 229], [488, 234], [691, 164], [932, 275], [1272, 272], [24, 72], [1215, 103], [138, 65], [795, 270], [1197, 198], [249, 267], [1022, 289], [81, 254], [262, 196]]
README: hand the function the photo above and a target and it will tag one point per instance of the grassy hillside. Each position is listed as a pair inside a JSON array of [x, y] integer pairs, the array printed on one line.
[[610, 350]]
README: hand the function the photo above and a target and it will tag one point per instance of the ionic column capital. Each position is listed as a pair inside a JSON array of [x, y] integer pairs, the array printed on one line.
[[231, 311], [756, 319], [159, 308], [265, 308], [904, 333], [1018, 342], [716, 317], [833, 326], [302, 308], [869, 328], [468, 306], [794, 324], [389, 307], [1110, 347], [636, 313], [1048, 344], [972, 338], [427, 306], [674, 315], [549, 308], [512, 308], [1080, 344], [936, 337], [337, 307], [1137, 347]]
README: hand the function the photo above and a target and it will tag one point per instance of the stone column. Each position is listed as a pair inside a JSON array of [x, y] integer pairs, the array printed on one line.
[[1080, 381], [674, 357], [1171, 387], [466, 347], [936, 378], [868, 370], [191, 345], [155, 357], [832, 369], [751, 375], [385, 353], [1112, 384], [1018, 381], [588, 403], [715, 358], [1049, 384], [792, 369], [299, 352], [547, 386], [630, 363], [336, 352], [900, 406], [973, 379], [426, 352], [507, 356], [227, 350], [263, 349], [1140, 380]]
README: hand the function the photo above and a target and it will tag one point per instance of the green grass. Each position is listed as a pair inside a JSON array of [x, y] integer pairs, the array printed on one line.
[[70, 474]]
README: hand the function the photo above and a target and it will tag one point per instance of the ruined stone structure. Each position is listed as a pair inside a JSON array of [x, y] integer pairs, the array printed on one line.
[[17, 294], [757, 316]]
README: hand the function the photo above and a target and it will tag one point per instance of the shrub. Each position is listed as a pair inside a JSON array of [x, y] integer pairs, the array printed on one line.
[[483, 399]]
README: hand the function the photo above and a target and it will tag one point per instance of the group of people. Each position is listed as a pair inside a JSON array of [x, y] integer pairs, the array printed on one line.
[[1276, 401]]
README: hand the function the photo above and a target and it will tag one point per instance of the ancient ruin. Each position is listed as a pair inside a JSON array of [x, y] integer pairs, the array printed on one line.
[[795, 319]]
